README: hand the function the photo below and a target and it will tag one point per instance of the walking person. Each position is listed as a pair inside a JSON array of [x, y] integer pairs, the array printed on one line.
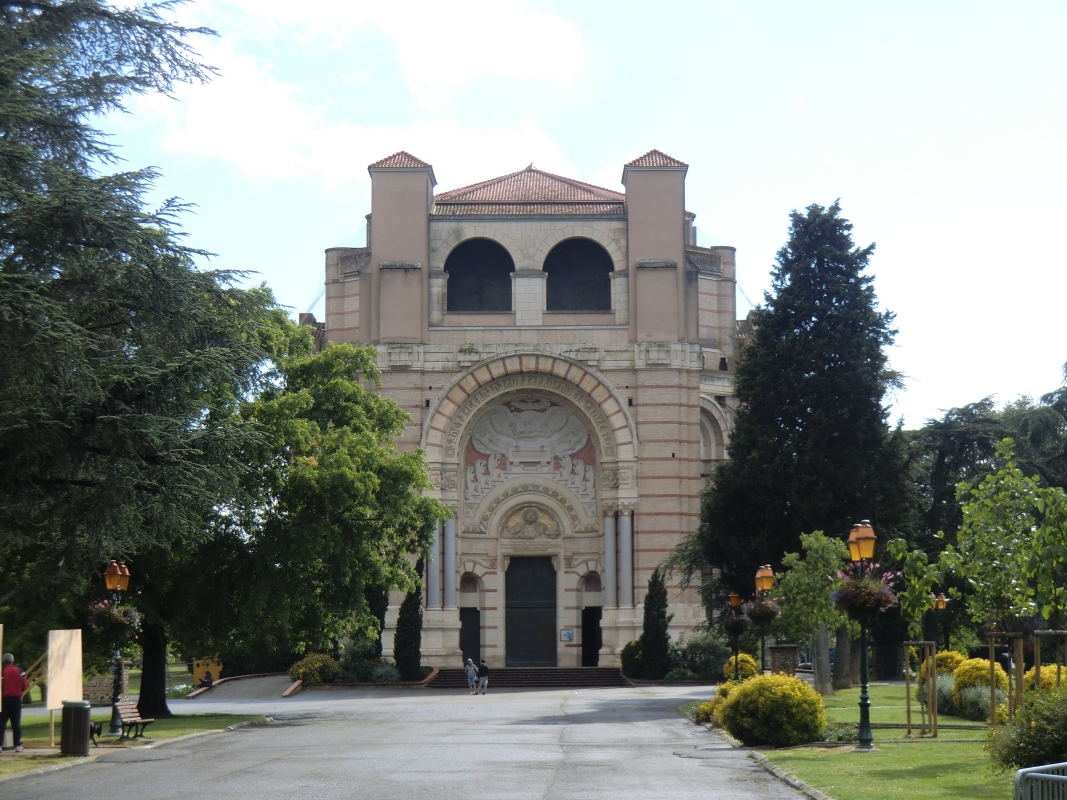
[[483, 676], [13, 685], [472, 676]]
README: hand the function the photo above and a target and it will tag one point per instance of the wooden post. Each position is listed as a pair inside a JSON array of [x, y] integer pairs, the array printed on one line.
[[931, 685], [51, 727], [992, 684], [1019, 671], [1037, 660], [907, 683]]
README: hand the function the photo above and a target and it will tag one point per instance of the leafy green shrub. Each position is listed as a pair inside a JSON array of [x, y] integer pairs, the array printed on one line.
[[747, 667], [631, 660], [679, 674], [778, 709], [703, 653], [1037, 735], [384, 672], [407, 643], [840, 732], [974, 703], [975, 672], [945, 703], [1048, 677], [314, 668]]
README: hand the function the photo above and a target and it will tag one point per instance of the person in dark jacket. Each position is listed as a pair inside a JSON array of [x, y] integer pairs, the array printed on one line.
[[483, 676], [13, 685]]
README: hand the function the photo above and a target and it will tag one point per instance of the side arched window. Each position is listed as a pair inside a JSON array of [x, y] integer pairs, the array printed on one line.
[[479, 276], [579, 277]]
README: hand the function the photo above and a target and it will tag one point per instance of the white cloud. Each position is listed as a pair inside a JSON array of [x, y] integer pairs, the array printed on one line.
[[253, 120], [440, 46]]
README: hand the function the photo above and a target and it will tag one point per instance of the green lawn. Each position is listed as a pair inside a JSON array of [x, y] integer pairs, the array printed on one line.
[[925, 770], [901, 769], [35, 734]]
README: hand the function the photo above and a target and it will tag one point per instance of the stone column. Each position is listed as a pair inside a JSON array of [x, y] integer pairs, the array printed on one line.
[[438, 295], [449, 563], [528, 295], [610, 569], [620, 296], [626, 554], [433, 571]]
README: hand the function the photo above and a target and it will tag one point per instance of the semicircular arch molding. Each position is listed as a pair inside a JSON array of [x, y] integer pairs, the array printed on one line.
[[552, 238], [584, 389], [715, 411], [468, 232]]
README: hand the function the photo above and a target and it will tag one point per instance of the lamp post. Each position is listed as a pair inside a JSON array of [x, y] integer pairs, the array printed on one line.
[[860, 551], [116, 579], [940, 602], [764, 583], [735, 609]]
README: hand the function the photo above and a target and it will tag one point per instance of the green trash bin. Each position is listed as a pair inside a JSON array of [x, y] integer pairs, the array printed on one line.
[[74, 728]]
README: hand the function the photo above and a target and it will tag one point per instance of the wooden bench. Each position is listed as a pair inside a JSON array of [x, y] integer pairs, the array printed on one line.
[[131, 720]]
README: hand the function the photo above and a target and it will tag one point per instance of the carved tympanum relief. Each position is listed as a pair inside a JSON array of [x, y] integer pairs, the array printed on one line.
[[529, 436], [529, 522]]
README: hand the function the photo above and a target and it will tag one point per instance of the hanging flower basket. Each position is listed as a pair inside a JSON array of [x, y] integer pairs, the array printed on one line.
[[762, 612], [863, 598], [736, 624], [105, 617]]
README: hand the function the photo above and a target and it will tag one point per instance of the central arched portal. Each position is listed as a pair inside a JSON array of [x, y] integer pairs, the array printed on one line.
[[536, 457]]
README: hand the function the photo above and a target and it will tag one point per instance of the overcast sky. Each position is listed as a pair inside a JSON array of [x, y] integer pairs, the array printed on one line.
[[942, 128]]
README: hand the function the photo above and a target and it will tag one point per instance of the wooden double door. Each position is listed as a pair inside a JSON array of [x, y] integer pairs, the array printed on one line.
[[530, 612]]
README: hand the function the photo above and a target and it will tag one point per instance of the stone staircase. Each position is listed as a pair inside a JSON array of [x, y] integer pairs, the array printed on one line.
[[536, 678]]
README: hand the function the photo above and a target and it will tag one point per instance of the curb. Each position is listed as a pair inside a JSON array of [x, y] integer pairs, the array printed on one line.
[[90, 759], [780, 774], [786, 778]]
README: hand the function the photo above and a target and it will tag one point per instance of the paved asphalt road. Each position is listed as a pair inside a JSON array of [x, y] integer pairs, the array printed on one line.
[[439, 745]]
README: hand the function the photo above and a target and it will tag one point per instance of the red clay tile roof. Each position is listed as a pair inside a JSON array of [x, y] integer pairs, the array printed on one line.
[[529, 210], [400, 160], [530, 191], [654, 158]]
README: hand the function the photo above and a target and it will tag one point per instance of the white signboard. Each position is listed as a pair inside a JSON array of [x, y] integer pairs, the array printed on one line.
[[64, 667]]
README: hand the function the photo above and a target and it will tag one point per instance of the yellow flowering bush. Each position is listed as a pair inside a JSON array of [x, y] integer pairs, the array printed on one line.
[[703, 713], [946, 660], [778, 709], [975, 672], [314, 668], [1048, 677], [747, 666]]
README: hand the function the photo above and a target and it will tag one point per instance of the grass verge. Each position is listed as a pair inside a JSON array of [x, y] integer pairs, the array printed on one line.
[[926, 770], [35, 734]]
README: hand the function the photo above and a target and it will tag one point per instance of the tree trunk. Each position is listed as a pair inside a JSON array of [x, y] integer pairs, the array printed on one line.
[[843, 659], [824, 683], [857, 654], [153, 700]]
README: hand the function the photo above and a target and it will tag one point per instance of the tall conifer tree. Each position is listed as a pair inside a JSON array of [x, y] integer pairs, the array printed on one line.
[[655, 636], [811, 449]]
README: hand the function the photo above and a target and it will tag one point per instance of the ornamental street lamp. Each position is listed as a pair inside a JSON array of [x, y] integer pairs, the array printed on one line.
[[860, 551], [764, 583], [116, 579], [735, 609], [940, 602]]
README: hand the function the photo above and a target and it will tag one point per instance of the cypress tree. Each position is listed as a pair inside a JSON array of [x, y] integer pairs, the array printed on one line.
[[655, 638], [811, 448], [407, 646]]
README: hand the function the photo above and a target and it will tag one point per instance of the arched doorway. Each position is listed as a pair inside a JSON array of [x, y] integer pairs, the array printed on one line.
[[592, 612]]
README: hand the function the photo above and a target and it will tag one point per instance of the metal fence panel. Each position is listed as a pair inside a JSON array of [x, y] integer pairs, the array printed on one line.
[[1042, 783]]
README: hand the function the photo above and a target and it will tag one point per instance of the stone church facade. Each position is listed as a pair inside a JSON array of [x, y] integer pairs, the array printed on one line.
[[565, 353]]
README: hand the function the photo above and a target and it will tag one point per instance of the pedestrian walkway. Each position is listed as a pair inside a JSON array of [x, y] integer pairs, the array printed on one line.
[[419, 744]]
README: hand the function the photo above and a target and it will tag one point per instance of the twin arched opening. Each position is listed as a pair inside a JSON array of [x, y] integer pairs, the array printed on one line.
[[577, 271]]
